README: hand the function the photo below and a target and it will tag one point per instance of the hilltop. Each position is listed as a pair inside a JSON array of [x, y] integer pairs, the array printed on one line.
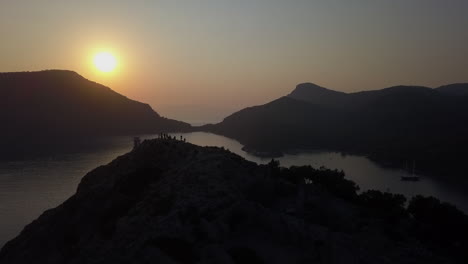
[[173, 202]]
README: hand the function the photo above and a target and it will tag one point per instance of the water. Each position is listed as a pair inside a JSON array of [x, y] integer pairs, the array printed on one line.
[[366, 173], [27, 188]]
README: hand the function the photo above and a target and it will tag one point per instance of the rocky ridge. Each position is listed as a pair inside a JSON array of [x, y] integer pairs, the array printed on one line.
[[169, 201]]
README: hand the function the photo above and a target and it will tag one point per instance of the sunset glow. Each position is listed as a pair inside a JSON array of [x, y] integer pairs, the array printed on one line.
[[105, 62]]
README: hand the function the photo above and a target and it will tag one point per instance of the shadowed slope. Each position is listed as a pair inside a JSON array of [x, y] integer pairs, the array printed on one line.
[[42, 109]]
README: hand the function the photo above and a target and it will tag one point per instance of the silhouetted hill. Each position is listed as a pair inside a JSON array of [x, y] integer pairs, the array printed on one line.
[[458, 89], [44, 109], [395, 125], [278, 125], [315, 94], [174, 202]]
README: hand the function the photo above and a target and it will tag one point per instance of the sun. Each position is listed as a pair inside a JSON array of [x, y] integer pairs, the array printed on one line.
[[105, 61]]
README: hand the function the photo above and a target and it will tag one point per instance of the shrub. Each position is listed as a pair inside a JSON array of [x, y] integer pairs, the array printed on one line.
[[441, 225], [384, 204], [332, 180]]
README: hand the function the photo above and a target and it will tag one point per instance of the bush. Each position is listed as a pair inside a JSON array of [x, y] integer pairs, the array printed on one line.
[[384, 204], [332, 180], [441, 225], [442, 220]]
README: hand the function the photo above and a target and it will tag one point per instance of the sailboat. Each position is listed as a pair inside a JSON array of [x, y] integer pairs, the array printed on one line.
[[413, 176]]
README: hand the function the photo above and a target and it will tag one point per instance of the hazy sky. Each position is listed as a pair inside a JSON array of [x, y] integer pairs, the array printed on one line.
[[202, 60]]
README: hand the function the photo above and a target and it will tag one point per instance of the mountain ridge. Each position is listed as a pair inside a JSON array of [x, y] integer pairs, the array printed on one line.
[[391, 125], [315, 94], [53, 108], [319, 95], [457, 89]]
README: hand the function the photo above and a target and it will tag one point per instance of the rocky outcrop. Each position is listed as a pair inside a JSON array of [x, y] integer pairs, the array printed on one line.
[[173, 202]]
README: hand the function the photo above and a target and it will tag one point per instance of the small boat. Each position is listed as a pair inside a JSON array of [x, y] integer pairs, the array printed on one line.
[[413, 176]]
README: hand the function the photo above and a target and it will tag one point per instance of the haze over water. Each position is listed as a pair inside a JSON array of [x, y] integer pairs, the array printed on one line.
[[27, 188]]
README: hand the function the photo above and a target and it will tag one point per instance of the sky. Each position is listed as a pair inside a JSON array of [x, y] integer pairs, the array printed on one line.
[[199, 61]]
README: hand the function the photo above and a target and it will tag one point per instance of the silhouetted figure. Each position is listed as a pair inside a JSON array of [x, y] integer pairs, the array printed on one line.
[[136, 142]]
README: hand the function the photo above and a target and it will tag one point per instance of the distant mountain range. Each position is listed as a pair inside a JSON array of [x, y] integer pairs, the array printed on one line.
[[396, 125], [46, 109]]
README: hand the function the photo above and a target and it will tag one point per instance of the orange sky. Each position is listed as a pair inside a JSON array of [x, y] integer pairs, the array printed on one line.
[[199, 61]]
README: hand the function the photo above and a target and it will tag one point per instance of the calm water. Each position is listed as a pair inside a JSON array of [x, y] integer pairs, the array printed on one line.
[[27, 188]]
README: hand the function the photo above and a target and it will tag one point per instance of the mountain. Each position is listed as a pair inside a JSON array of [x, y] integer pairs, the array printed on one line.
[[278, 125], [318, 95], [173, 202], [458, 89], [45, 109], [393, 125]]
